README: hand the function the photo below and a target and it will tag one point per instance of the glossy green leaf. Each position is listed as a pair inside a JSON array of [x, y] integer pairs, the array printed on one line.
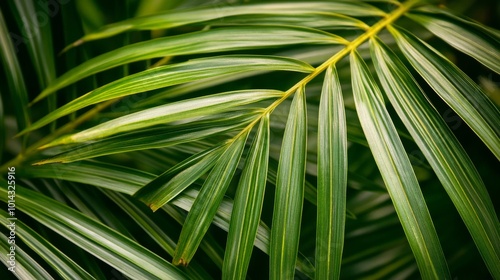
[[111, 247], [247, 208], [332, 178], [105, 175], [24, 266], [289, 197], [454, 87], [179, 18], [128, 181], [155, 231], [138, 153], [222, 220], [164, 76], [323, 20], [208, 200], [173, 181], [144, 221], [60, 262], [467, 37], [167, 113], [397, 173], [209, 41], [443, 151], [92, 205], [155, 137]]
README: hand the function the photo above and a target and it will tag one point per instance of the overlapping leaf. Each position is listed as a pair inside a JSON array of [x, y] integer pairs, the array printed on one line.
[[164, 76], [128, 181], [15, 79], [173, 181], [111, 247], [454, 87], [222, 220], [38, 38], [468, 37], [155, 231], [25, 267], [207, 202], [61, 263], [191, 122], [397, 173], [155, 137], [179, 18], [443, 151], [209, 41], [245, 217], [289, 195], [167, 113], [332, 178]]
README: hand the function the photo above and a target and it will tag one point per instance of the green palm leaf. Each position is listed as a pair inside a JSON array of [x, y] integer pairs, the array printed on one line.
[[61, 263], [398, 175], [445, 154], [113, 248], [169, 113], [173, 181], [15, 80], [454, 87], [155, 137], [25, 267], [205, 206], [247, 209], [216, 40], [289, 196], [174, 19], [467, 37], [168, 99], [164, 76], [332, 179]]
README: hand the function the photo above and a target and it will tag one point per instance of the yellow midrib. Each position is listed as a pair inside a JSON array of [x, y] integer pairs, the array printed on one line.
[[370, 32]]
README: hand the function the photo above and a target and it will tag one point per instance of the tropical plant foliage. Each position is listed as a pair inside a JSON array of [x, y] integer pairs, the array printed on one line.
[[180, 139]]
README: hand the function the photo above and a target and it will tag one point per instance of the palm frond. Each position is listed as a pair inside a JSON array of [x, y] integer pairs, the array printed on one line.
[[329, 121]]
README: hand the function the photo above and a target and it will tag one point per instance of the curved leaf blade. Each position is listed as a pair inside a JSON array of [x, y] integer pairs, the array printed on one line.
[[208, 200], [155, 231], [105, 175], [397, 173], [247, 206], [332, 178], [155, 137], [454, 87], [180, 73], [209, 41], [449, 160], [38, 38], [175, 111], [172, 182], [128, 181], [65, 267], [111, 247], [322, 20], [289, 195], [179, 18], [465, 36], [25, 266]]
